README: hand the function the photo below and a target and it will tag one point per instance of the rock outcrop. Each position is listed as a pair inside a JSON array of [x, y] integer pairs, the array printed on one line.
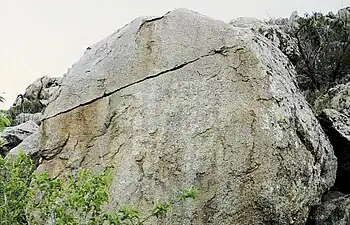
[[335, 210], [13, 136], [333, 109], [337, 98], [277, 31], [182, 100], [337, 127], [31, 105], [26, 113]]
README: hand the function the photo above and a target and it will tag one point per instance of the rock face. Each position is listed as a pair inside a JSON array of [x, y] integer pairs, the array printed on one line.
[[183, 100]]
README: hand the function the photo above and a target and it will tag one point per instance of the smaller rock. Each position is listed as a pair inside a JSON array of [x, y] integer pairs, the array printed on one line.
[[337, 127], [334, 210], [13, 136], [293, 20], [337, 98], [24, 117], [31, 105], [29, 145], [344, 13], [42, 88]]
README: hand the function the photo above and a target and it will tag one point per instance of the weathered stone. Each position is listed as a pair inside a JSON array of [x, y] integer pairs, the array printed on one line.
[[35, 99], [13, 136], [337, 98], [337, 127], [24, 117], [247, 22], [335, 210], [293, 21], [334, 111], [184, 100], [274, 30], [43, 88], [344, 13]]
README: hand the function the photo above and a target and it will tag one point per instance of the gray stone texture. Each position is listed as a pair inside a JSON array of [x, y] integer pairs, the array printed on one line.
[[183, 100], [335, 210], [13, 136]]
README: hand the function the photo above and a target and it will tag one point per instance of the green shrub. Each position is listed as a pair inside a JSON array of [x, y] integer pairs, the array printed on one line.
[[26, 198], [15, 176], [324, 46], [4, 120]]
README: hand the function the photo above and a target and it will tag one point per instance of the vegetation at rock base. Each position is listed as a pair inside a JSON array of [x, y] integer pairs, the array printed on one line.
[[324, 45], [15, 177], [4, 120], [26, 198]]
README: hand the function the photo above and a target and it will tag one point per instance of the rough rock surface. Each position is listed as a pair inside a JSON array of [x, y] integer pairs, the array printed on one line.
[[184, 100], [344, 13], [24, 117], [277, 31], [13, 136], [335, 210], [337, 127], [33, 102], [337, 98], [333, 109]]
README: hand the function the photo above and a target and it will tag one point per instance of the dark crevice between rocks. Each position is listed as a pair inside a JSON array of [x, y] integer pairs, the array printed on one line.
[[341, 147], [332, 211], [11, 142], [332, 208]]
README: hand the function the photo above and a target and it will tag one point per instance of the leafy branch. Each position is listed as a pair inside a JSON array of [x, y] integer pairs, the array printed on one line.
[[26, 198]]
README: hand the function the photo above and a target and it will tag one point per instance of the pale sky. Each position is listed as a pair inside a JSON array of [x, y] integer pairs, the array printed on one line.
[[45, 37]]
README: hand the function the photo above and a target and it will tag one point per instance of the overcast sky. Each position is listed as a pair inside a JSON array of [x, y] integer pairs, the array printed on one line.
[[45, 37]]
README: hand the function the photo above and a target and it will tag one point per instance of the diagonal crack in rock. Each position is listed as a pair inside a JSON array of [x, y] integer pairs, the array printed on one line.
[[223, 51]]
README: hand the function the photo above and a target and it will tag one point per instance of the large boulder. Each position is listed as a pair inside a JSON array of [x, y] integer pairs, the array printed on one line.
[[182, 100]]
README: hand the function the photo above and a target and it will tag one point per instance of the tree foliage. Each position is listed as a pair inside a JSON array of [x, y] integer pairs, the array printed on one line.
[[4, 118], [26, 198], [324, 46]]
